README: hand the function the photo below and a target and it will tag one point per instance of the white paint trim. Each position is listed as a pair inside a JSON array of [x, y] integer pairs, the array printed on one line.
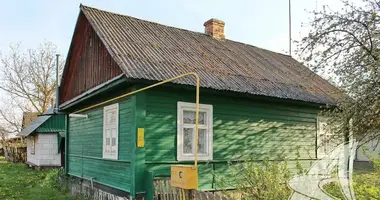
[[115, 126], [181, 106], [78, 116]]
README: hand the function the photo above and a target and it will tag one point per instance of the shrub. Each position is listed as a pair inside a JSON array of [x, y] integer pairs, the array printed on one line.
[[51, 178], [366, 184], [258, 180]]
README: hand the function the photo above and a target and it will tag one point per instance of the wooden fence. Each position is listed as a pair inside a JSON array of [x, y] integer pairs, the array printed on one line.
[[15, 154], [164, 191]]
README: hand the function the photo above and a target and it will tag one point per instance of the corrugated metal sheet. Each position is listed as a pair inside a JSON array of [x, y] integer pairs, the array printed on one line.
[[46, 123], [56, 123], [34, 125], [151, 51]]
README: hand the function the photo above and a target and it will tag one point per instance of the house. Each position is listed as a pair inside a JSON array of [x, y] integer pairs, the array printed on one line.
[[255, 103], [44, 139]]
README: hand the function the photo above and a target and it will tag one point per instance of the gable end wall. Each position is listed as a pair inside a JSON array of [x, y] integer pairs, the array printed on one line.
[[88, 64]]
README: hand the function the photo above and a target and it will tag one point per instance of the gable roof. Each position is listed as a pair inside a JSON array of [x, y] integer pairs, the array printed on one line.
[[56, 126], [151, 51]]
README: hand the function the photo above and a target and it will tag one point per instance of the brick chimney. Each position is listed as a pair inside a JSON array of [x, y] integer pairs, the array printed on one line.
[[215, 28]]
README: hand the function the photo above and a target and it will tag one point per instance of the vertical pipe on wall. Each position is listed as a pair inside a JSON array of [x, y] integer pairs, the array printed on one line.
[[290, 29], [56, 83]]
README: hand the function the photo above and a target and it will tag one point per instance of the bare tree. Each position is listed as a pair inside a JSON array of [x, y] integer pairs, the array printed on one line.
[[345, 43], [27, 78]]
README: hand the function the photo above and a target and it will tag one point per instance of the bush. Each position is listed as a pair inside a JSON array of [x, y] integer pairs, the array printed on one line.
[[259, 180], [51, 178]]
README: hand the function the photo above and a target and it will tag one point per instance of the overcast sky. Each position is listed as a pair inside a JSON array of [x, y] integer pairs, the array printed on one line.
[[263, 23]]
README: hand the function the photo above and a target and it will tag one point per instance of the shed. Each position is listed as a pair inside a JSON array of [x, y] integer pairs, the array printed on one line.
[[45, 139], [255, 103]]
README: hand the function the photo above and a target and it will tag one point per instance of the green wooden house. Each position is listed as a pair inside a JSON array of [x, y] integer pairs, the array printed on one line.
[[44, 138], [255, 103]]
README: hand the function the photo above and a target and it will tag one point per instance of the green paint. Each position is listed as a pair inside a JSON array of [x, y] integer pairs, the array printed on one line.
[[138, 160], [66, 143], [85, 148], [243, 128], [59, 142], [56, 123], [149, 187]]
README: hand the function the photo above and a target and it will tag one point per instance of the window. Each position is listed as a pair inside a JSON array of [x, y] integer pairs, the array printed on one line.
[[186, 131], [33, 147], [110, 131], [325, 142]]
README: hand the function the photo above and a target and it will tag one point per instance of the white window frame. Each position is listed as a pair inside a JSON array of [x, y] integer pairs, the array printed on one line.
[[182, 106], [321, 134], [115, 125]]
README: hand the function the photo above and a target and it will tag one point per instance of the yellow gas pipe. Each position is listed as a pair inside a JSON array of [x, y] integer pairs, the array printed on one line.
[[157, 84]]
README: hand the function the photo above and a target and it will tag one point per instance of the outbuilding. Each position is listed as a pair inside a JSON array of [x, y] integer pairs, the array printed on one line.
[[45, 140]]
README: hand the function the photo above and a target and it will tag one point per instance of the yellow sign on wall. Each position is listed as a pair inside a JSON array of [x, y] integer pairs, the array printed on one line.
[[140, 137], [184, 176]]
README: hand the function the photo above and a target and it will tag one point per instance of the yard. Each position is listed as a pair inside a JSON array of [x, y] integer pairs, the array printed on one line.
[[17, 181], [366, 183]]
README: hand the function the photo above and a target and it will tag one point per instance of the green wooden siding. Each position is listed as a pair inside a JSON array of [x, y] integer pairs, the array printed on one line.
[[244, 128], [56, 123], [85, 148]]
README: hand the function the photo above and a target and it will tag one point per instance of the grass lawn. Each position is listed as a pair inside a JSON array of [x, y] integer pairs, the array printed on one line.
[[17, 181], [366, 185]]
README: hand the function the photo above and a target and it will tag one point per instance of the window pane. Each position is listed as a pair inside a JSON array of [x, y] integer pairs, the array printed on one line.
[[111, 117], [202, 141], [108, 133], [189, 117], [108, 141], [187, 140], [113, 147], [202, 118], [114, 136]]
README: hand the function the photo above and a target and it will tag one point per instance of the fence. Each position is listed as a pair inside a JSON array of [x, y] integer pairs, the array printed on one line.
[[164, 191], [15, 154]]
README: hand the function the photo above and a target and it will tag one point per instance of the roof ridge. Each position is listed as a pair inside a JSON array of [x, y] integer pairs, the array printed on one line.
[[194, 32], [123, 15]]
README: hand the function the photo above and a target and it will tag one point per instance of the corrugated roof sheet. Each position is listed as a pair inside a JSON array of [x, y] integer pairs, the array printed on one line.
[[48, 122], [34, 125], [151, 51]]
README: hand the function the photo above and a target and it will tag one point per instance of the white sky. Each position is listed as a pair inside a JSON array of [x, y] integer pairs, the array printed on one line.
[[262, 23]]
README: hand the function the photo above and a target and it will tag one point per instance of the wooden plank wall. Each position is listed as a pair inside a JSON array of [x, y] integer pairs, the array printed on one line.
[[242, 129], [88, 64]]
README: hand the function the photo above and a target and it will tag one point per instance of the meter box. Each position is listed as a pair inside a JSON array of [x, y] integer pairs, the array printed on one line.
[[184, 176]]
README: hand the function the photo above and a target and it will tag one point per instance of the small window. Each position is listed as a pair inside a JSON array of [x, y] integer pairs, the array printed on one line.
[[110, 131], [33, 147], [186, 131], [325, 142]]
